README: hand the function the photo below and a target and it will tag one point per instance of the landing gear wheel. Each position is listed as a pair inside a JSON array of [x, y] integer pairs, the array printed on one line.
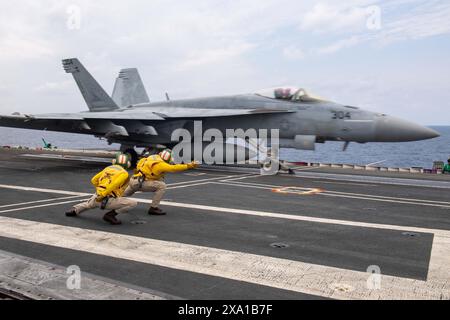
[[271, 167], [134, 157]]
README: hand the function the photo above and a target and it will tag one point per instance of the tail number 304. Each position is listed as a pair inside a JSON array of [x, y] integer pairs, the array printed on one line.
[[341, 115]]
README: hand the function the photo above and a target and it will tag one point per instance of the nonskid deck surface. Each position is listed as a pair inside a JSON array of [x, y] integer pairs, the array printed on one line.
[[231, 233]]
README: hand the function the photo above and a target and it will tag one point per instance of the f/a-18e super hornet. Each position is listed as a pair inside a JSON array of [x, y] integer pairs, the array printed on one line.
[[131, 120]]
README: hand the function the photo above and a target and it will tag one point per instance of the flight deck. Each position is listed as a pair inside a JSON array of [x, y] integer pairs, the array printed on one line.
[[230, 233]]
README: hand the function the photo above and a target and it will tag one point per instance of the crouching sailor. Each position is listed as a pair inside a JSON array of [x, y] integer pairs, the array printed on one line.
[[150, 177], [110, 184]]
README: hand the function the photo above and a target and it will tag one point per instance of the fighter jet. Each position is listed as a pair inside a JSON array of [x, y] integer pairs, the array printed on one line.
[[131, 120]]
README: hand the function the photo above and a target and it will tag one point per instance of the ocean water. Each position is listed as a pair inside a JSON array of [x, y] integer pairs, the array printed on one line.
[[409, 154]]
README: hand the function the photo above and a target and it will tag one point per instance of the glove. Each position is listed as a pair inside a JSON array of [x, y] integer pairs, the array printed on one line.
[[193, 165]]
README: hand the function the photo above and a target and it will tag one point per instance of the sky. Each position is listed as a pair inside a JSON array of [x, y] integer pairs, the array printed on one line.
[[386, 56]]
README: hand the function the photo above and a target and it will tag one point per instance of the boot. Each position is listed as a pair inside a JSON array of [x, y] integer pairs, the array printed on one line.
[[111, 218], [71, 213], [156, 212]]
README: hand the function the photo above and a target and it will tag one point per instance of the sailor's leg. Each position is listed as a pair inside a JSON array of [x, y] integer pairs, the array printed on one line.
[[90, 204], [121, 205], [117, 206], [156, 186], [133, 186]]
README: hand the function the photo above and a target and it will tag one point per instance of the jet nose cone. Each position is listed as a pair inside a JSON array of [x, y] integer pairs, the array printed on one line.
[[391, 129]]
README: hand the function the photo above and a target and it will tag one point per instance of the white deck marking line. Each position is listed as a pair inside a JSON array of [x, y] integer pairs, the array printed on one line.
[[443, 204], [243, 177], [250, 268], [203, 180], [275, 186], [301, 218], [411, 202], [241, 185], [42, 206], [386, 197], [304, 169], [348, 183], [268, 186], [42, 190], [37, 201], [189, 185], [67, 157], [330, 176], [370, 198], [228, 170], [440, 255]]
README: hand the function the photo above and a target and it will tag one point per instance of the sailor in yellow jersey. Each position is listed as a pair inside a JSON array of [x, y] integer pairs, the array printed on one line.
[[150, 177], [110, 185]]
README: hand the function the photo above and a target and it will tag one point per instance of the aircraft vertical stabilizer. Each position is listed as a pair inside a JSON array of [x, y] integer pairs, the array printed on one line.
[[129, 89], [95, 96]]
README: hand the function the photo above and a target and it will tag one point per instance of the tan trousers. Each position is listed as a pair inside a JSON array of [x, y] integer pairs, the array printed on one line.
[[120, 205], [156, 186]]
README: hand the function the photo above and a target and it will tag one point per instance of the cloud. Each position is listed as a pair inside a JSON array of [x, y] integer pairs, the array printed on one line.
[[14, 47], [424, 20], [325, 17], [293, 53], [19, 35], [213, 56], [421, 20], [339, 45], [53, 87]]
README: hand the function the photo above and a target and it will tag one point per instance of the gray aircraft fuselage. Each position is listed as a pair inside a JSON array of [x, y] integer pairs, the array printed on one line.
[[327, 121]]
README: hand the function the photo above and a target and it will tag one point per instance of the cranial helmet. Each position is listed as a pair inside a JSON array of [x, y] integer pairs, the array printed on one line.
[[122, 160], [166, 155]]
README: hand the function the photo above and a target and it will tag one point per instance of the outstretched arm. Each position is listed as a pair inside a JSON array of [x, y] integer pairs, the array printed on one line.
[[163, 167]]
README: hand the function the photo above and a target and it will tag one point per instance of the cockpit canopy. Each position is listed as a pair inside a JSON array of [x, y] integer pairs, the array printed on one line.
[[288, 94]]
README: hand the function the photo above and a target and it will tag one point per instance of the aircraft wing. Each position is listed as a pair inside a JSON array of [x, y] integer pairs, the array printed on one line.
[[98, 123], [140, 121], [155, 114]]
